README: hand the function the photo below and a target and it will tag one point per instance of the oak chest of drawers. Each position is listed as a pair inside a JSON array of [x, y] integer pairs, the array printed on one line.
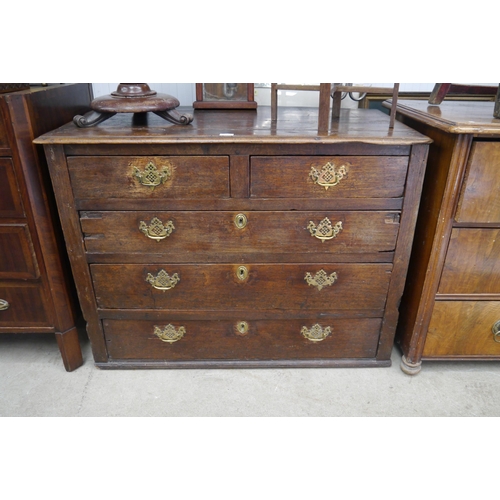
[[238, 242], [36, 290], [451, 305]]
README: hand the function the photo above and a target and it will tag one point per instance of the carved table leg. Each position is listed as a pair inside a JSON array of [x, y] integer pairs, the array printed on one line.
[[175, 117], [71, 352], [91, 118], [410, 368]]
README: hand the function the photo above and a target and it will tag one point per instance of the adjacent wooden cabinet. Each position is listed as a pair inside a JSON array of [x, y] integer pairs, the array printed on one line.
[[451, 304], [36, 288], [236, 241]]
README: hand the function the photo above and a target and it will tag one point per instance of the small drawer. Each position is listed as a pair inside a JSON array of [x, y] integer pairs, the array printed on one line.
[[328, 176], [4, 142], [217, 287], [17, 259], [190, 234], [464, 328], [479, 201], [21, 306], [149, 178], [472, 263], [242, 340], [10, 198]]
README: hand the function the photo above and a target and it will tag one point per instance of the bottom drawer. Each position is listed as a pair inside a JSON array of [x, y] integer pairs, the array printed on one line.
[[21, 306], [463, 328], [230, 340]]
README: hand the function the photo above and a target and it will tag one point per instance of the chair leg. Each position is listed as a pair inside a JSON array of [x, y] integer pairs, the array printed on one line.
[[274, 102], [496, 111], [394, 105], [439, 93]]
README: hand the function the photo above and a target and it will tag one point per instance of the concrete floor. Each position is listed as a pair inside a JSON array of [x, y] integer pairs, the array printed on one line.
[[33, 383]]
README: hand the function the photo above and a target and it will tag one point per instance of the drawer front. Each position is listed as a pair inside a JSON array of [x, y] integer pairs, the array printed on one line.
[[221, 232], [21, 306], [479, 200], [4, 141], [463, 328], [328, 177], [18, 259], [10, 198], [329, 288], [149, 178], [239, 340], [472, 262]]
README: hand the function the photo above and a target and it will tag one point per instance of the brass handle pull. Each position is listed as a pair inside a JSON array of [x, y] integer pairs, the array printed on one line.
[[151, 176], [170, 334], [325, 230], [156, 230], [316, 333], [241, 328], [496, 331], [4, 305], [321, 279], [242, 273], [240, 221], [329, 175], [163, 281]]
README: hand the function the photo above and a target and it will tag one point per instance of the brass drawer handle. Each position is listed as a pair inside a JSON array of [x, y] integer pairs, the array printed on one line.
[[156, 230], [240, 221], [321, 279], [170, 334], [316, 333], [242, 273], [329, 175], [151, 176], [496, 331], [241, 328], [163, 281], [4, 305], [325, 230]]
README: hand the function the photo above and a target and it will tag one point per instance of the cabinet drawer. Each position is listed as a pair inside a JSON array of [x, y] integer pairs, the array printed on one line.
[[463, 328], [333, 287], [191, 233], [4, 141], [228, 340], [149, 178], [328, 177], [10, 199], [17, 257], [21, 306], [472, 263], [479, 200]]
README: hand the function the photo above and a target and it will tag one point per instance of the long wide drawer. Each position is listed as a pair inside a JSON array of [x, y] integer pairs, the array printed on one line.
[[340, 287], [328, 177], [21, 306], [149, 178], [230, 232], [240, 340], [464, 328], [472, 264]]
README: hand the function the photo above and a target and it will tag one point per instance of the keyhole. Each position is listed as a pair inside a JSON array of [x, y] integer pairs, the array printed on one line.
[[240, 221], [242, 273]]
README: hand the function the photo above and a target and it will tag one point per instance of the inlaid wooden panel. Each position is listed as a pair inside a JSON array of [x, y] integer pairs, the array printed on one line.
[[265, 287], [472, 263], [17, 257], [25, 306], [10, 198], [315, 176], [479, 200], [114, 177], [461, 328], [264, 340], [264, 232]]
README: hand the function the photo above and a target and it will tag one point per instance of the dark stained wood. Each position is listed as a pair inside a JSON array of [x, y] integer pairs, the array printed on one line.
[[271, 340], [268, 286], [289, 177], [46, 302]]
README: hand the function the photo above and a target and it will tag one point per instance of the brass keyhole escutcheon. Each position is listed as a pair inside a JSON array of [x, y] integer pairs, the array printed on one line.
[[496, 331], [242, 328], [242, 273], [240, 221]]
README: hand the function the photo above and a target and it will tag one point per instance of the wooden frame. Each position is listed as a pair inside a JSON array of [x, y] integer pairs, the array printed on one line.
[[243, 96]]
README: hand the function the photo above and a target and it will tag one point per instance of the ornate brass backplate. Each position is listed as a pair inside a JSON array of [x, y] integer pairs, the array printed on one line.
[[321, 279], [329, 175], [496, 331], [156, 230], [163, 281], [316, 333], [152, 176], [324, 230], [170, 334], [4, 305]]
